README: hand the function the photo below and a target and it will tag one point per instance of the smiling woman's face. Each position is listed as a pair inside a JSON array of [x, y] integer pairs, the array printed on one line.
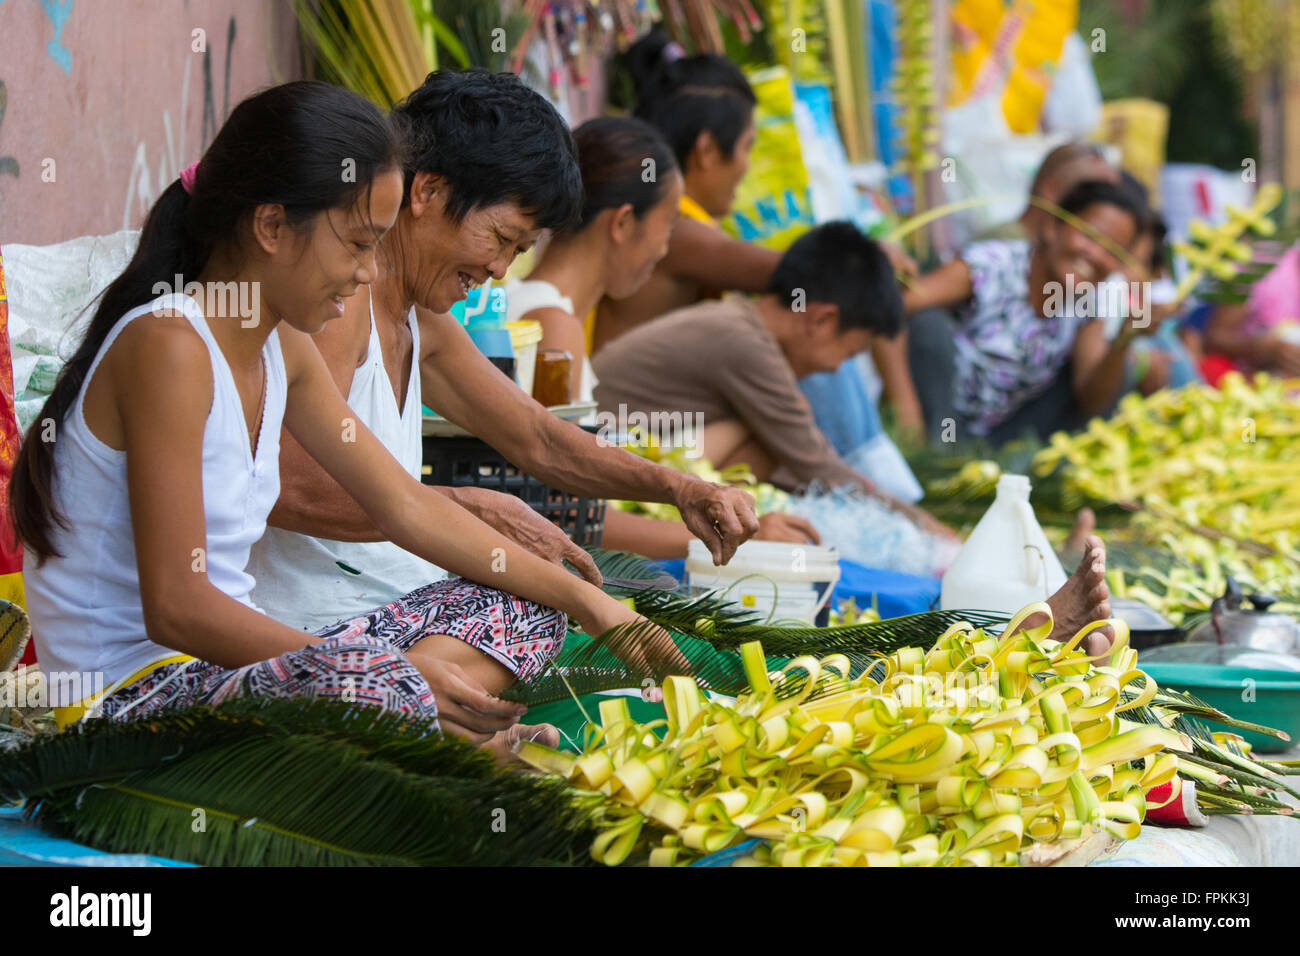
[[332, 256], [453, 257]]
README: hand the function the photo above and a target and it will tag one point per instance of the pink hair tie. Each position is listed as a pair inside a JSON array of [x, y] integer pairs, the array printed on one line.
[[187, 176]]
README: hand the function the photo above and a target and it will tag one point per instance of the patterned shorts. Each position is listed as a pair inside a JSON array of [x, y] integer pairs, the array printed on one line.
[[522, 636], [360, 659]]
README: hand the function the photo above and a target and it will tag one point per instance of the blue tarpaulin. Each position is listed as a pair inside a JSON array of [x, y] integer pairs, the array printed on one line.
[[23, 844]]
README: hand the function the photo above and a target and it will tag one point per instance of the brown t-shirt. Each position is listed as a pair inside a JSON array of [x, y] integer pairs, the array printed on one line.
[[719, 358]]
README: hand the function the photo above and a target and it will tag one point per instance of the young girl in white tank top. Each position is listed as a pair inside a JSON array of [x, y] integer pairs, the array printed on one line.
[[137, 521]]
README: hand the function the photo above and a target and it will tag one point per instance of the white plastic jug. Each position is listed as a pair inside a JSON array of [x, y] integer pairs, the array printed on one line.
[[1006, 562], [780, 581]]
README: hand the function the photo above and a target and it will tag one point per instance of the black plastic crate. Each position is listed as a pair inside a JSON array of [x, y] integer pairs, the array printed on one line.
[[463, 461]]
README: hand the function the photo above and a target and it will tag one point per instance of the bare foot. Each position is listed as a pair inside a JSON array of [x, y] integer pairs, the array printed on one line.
[[1085, 523], [1084, 598], [502, 745]]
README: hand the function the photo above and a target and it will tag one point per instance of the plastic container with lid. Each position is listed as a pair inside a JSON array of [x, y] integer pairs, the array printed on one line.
[[1006, 563], [525, 336], [483, 314], [778, 580]]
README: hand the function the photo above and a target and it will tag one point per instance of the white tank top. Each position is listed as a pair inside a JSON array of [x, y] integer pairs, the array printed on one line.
[[85, 606], [304, 581]]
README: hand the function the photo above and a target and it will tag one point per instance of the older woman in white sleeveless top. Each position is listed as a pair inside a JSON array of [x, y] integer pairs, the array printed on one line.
[[491, 166]]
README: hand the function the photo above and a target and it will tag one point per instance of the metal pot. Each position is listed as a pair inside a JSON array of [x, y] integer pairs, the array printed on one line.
[[1255, 626], [1147, 627]]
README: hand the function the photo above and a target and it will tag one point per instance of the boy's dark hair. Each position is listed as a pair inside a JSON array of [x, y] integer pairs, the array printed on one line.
[[493, 140], [1095, 192], [612, 153], [837, 263], [687, 96]]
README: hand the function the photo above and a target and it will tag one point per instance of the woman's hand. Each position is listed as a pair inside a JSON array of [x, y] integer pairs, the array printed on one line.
[[910, 419], [465, 708], [514, 519], [778, 526], [905, 266], [1159, 366]]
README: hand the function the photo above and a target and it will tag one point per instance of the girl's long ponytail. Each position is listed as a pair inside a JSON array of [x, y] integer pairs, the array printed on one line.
[[165, 250]]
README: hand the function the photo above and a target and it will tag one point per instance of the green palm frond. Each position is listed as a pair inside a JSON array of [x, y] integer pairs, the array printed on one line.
[[470, 31], [701, 636], [625, 573], [292, 782], [376, 48], [1191, 708], [1191, 716], [1056, 502], [442, 35]]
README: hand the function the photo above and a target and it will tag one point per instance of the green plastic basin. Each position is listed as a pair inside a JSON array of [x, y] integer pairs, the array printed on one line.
[[1267, 697]]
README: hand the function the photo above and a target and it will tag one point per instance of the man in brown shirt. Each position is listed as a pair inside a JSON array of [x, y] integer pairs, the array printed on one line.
[[735, 363]]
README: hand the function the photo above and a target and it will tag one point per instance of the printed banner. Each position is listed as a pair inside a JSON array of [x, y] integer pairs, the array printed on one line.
[[773, 206]]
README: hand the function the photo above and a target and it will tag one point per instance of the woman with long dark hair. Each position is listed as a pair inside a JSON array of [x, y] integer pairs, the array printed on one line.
[[138, 516]]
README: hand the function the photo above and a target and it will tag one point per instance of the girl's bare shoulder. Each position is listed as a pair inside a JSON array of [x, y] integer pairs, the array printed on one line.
[[162, 342]]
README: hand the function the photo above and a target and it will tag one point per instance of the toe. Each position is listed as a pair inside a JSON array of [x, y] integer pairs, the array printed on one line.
[[1099, 602], [1099, 642]]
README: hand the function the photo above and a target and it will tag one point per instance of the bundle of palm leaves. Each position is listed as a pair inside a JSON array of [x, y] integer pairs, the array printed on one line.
[[706, 633], [381, 49]]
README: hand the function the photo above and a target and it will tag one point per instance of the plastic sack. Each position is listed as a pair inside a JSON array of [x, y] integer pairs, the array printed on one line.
[[50, 288], [830, 184], [1008, 53]]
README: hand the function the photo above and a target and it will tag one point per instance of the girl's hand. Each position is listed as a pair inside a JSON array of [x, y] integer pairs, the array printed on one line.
[[465, 708], [652, 651], [1286, 357]]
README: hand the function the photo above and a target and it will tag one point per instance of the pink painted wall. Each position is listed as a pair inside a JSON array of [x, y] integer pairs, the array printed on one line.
[[115, 95]]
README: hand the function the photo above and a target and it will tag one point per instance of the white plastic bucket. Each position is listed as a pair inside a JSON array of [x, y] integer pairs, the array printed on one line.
[[780, 581]]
